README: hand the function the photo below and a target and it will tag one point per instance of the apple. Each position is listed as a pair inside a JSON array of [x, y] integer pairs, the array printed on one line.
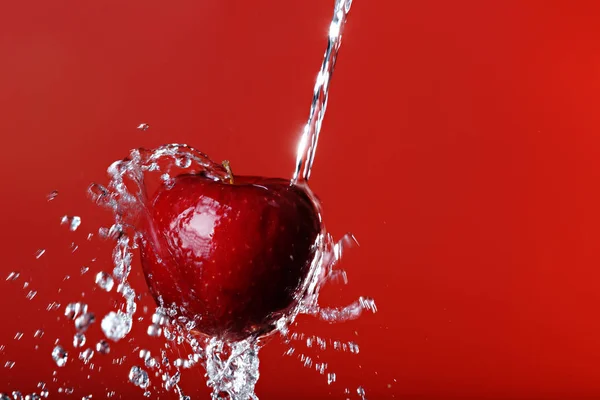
[[233, 256]]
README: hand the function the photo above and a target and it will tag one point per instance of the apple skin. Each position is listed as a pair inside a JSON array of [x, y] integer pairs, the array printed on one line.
[[232, 256]]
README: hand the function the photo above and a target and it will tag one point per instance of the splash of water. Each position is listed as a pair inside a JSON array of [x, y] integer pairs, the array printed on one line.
[[232, 368]]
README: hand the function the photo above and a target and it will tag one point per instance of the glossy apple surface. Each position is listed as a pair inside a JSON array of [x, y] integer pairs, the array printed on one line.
[[231, 256]]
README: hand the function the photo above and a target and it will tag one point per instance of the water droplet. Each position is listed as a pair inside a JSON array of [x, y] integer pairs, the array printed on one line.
[[31, 295], [331, 377], [116, 325], [84, 269], [13, 276], [72, 221], [183, 162], [75, 309], [86, 355], [52, 195], [172, 381], [144, 354], [44, 393], [139, 377], [59, 355], [103, 347], [143, 127], [104, 281], [361, 392], [38, 334], [17, 395], [154, 330], [84, 321], [18, 335], [159, 317], [39, 253], [9, 364], [78, 340]]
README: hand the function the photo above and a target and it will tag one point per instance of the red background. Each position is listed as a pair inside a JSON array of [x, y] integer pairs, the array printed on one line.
[[460, 146]]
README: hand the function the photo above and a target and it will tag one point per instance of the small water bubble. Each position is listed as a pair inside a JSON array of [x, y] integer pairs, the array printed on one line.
[[18, 335], [98, 193], [86, 355], [38, 333], [31, 295], [143, 127], [154, 330], [17, 395], [104, 281], [13, 276], [53, 306], [183, 162], [59, 355], [84, 269], [88, 397], [75, 309], [151, 363], [9, 364], [78, 340], [321, 367], [72, 222], [167, 334], [44, 393], [144, 354], [190, 325], [39, 253], [172, 381], [52, 195], [331, 377], [159, 317], [116, 325], [361, 392], [103, 347], [83, 322], [139, 377]]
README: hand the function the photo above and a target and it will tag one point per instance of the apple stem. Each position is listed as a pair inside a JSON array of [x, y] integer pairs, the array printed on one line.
[[227, 167], [307, 147]]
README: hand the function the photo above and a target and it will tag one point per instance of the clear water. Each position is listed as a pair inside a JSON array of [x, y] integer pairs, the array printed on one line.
[[232, 369]]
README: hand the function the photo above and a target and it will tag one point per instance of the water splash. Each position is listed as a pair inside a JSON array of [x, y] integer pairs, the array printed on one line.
[[231, 368]]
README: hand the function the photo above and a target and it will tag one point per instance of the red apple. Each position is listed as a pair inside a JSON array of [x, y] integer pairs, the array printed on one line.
[[232, 256]]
